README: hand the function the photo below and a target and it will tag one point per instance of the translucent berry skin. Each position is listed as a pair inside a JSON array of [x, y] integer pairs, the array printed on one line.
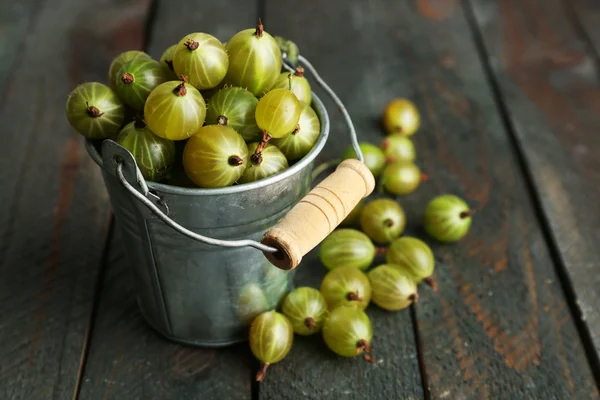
[[302, 139], [346, 285], [299, 86], [392, 288], [413, 255], [373, 155], [136, 79], [398, 148], [447, 218], [401, 116], [383, 220], [215, 157], [153, 155], [272, 161], [347, 330], [401, 178], [166, 60], [278, 113], [271, 337], [173, 116], [254, 61], [202, 58], [121, 59], [251, 303], [306, 309], [347, 247], [95, 111], [238, 107]]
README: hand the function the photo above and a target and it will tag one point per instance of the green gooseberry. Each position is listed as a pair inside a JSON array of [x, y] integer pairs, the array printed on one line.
[[392, 288], [347, 247], [373, 155], [398, 148], [447, 218], [383, 220], [306, 309], [347, 331], [402, 178], [413, 255], [346, 285]]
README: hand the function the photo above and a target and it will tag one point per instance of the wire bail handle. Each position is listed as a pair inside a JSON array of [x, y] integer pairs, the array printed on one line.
[[123, 163]]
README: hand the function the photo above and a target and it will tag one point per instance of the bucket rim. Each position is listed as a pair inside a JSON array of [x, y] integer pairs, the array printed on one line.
[[319, 108]]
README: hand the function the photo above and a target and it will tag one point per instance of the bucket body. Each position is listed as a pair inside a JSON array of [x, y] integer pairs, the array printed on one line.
[[201, 294]]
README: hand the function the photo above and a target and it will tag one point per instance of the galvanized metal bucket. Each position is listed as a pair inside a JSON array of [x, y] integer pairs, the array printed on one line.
[[192, 292]]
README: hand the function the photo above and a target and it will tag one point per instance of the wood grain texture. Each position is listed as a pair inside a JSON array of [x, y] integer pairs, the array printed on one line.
[[586, 15], [341, 39], [548, 77], [55, 211], [499, 326], [127, 359]]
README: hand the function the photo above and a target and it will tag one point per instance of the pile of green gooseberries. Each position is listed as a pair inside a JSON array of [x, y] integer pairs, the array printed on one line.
[[354, 279], [236, 111]]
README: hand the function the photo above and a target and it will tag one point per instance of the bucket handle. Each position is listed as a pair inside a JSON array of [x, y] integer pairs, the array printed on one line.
[[304, 226]]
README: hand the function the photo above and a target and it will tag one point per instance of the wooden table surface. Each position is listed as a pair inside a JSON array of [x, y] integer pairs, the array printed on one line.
[[509, 91]]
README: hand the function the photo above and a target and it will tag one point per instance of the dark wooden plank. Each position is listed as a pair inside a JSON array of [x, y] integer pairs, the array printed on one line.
[[15, 19], [127, 359], [500, 325], [55, 212], [339, 38], [548, 77], [586, 18]]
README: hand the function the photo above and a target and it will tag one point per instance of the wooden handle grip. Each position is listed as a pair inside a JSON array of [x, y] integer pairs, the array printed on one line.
[[318, 213]]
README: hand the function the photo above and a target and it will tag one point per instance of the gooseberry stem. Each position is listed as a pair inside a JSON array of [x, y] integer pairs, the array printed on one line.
[[381, 250], [262, 372], [362, 345], [354, 296], [466, 214], [414, 297], [424, 177], [235, 161], [259, 29], [432, 283], [266, 137], [296, 129], [388, 222], [290, 82], [299, 71], [180, 90], [222, 120], [309, 322], [191, 44], [127, 78], [170, 64], [93, 111]]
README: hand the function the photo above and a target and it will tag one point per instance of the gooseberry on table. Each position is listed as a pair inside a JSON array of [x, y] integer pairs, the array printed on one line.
[[447, 218], [414, 256], [373, 156], [346, 285], [306, 309], [402, 178], [398, 148], [347, 247], [401, 116], [392, 288], [382, 220], [271, 339], [348, 332]]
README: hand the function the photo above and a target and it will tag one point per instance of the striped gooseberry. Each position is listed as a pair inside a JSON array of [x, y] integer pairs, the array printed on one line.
[[413, 255], [215, 157], [347, 247], [303, 138], [175, 110], [166, 60], [153, 155], [271, 339], [382, 220], [402, 178], [401, 116], [398, 148], [346, 285], [136, 79], [392, 289], [202, 58], [234, 107], [374, 158], [263, 163], [447, 218], [306, 309], [297, 83], [278, 113], [121, 59], [347, 331], [254, 60], [95, 111]]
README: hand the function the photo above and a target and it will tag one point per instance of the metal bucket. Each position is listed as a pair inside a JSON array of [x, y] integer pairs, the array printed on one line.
[[192, 292]]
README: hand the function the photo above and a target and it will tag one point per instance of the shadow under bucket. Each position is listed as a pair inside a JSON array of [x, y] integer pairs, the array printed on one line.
[[196, 293]]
